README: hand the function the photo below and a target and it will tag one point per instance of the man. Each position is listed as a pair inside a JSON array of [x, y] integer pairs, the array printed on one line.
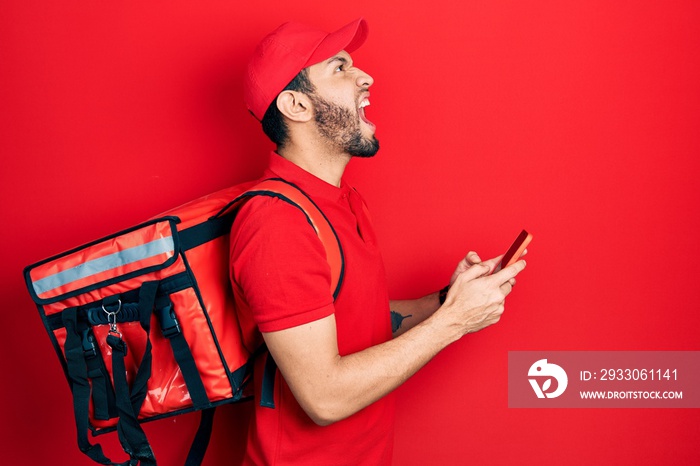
[[338, 360]]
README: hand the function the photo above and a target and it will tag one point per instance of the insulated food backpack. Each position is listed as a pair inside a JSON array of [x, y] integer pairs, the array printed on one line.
[[143, 321]]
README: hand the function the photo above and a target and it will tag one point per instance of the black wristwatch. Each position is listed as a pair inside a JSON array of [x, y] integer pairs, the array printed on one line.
[[442, 295]]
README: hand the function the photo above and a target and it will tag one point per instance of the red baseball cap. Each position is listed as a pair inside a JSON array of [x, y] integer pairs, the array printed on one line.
[[287, 50]]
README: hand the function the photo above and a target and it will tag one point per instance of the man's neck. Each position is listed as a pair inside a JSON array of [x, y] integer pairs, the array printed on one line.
[[326, 165]]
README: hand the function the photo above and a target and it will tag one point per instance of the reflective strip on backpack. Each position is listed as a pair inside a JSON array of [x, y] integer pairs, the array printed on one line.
[[103, 264], [108, 259]]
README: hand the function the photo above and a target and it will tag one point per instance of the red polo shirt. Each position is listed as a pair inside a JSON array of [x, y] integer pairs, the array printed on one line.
[[281, 279]]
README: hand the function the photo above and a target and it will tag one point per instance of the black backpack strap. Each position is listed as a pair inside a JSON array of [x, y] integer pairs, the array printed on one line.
[[103, 401], [181, 351], [201, 438], [267, 395]]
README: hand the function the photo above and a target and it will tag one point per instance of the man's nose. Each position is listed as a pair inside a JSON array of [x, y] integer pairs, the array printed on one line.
[[364, 79]]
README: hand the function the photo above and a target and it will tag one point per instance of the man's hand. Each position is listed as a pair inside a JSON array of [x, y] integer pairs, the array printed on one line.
[[476, 299]]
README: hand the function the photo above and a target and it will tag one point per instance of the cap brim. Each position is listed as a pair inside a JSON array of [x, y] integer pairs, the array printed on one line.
[[349, 38]]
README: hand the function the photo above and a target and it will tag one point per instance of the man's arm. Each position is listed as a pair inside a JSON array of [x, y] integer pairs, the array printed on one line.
[[330, 387]]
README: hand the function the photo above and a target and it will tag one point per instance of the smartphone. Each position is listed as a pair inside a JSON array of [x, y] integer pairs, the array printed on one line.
[[515, 250]]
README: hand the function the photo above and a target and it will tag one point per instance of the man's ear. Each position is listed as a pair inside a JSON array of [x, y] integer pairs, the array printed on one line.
[[294, 105]]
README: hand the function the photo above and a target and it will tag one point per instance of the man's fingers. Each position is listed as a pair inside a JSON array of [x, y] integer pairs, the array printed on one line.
[[472, 258], [509, 272], [476, 271], [492, 263], [507, 287]]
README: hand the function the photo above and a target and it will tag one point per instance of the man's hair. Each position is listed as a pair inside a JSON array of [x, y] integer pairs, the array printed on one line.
[[273, 122]]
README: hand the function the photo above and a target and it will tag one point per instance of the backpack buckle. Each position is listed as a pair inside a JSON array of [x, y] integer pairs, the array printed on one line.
[[168, 322], [88, 342]]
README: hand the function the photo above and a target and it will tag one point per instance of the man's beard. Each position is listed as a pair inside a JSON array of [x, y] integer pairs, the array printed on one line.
[[340, 126]]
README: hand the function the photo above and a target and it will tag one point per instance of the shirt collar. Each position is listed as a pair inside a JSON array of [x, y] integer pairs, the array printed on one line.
[[279, 167]]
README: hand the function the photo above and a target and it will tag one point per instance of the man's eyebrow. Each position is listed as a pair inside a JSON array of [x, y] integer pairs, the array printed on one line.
[[337, 58]]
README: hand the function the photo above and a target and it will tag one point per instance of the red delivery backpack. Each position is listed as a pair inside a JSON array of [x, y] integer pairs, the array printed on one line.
[[143, 321]]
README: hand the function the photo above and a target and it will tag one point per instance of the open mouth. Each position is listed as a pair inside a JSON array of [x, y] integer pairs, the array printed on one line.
[[361, 110]]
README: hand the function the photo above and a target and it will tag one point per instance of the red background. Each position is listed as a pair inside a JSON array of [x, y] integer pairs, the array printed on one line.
[[576, 120]]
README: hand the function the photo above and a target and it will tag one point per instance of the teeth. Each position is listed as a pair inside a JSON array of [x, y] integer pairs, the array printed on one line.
[[364, 103]]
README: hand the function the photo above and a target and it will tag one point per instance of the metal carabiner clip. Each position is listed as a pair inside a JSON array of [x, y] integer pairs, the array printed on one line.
[[112, 318]]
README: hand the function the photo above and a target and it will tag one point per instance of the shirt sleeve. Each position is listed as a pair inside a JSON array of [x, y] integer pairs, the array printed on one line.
[[279, 265]]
